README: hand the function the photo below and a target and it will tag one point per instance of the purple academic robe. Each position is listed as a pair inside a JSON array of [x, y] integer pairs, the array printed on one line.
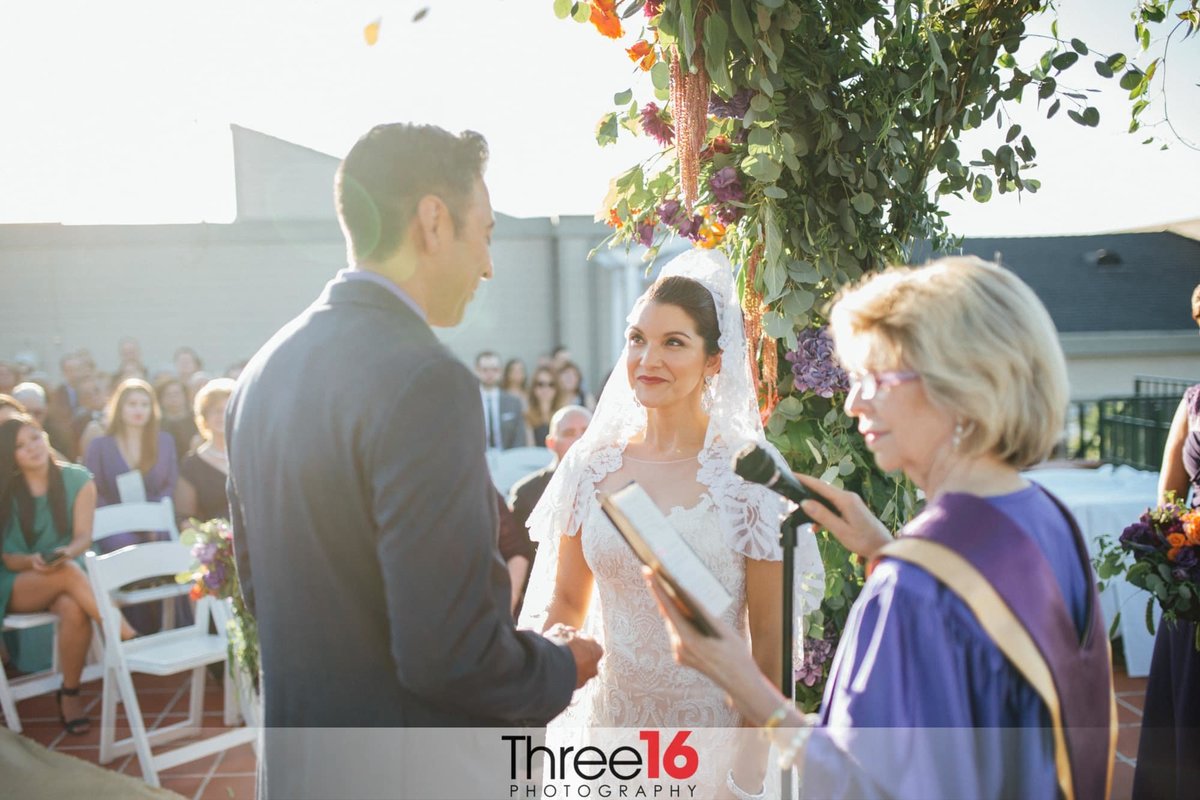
[[921, 703]]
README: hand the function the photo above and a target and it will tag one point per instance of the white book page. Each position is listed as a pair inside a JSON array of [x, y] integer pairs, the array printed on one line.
[[672, 551]]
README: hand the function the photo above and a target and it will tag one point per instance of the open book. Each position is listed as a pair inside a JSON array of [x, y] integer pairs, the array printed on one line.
[[659, 546]]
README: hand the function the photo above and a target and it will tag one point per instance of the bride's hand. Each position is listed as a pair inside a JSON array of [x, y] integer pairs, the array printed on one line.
[[853, 525]]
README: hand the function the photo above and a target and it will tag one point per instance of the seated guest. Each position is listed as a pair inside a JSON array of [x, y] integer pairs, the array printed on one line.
[[33, 397], [10, 407], [516, 549], [200, 490], [974, 662], [46, 512], [178, 418], [543, 391], [566, 426], [9, 377], [503, 418], [187, 363], [570, 388], [133, 441], [514, 380], [129, 351], [89, 422]]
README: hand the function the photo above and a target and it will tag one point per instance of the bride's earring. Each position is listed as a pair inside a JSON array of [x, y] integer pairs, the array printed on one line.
[[706, 397]]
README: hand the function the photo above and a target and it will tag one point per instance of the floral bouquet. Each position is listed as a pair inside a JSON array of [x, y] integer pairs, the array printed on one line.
[[1165, 545], [214, 574]]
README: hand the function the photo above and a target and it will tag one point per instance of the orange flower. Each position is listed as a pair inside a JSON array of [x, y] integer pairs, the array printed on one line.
[[711, 234], [642, 51], [614, 219], [1191, 526], [719, 144], [1173, 553], [1176, 540], [604, 17], [196, 593]]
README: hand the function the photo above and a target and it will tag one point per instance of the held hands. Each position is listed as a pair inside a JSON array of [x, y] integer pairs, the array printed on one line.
[[586, 650], [853, 525]]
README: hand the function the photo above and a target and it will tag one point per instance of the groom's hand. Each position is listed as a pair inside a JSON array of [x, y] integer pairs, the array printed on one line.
[[586, 650]]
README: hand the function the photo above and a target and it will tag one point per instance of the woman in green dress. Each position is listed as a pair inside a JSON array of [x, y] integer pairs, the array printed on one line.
[[46, 511]]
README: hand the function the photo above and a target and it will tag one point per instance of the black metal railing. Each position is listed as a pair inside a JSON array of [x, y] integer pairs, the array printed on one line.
[[1153, 386], [1133, 430]]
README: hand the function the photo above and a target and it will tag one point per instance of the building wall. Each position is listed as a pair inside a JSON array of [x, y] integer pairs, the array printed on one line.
[[224, 289]]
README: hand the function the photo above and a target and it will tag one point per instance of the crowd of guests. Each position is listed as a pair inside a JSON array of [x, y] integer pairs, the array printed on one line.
[[518, 405], [64, 450]]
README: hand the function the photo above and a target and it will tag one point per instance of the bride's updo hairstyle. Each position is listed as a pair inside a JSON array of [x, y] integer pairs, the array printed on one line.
[[696, 301]]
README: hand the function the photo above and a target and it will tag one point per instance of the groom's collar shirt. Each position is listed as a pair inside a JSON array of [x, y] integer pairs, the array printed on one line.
[[357, 273]]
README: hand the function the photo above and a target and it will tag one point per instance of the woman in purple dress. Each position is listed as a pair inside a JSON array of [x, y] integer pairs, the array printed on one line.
[[957, 379], [133, 442], [1168, 761]]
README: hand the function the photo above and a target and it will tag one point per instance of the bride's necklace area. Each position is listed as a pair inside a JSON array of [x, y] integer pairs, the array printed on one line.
[[655, 461]]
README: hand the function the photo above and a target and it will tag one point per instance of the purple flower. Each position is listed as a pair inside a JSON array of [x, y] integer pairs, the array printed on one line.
[[726, 185], [671, 213], [733, 108], [654, 125], [1141, 536], [1180, 574], [727, 215], [1186, 559], [645, 234], [817, 653], [204, 553], [814, 367], [690, 228], [215, 576]]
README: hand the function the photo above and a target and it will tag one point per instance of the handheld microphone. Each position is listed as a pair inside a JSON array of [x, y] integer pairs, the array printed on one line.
[[754, 464]]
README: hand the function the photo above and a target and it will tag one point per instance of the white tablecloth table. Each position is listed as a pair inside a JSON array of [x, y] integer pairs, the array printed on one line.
[[1104, 501]]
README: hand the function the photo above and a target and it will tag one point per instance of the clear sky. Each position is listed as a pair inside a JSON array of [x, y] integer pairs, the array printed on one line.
[[119, 112]]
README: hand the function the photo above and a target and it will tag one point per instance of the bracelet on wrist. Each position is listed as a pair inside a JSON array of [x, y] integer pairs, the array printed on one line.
[[739, 792], [778, 715]]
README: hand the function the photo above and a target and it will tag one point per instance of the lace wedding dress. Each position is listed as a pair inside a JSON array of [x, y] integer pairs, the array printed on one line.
[[639, 683]]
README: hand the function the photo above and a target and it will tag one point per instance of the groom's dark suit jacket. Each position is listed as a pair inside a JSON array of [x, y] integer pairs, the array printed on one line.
[[365, 528]]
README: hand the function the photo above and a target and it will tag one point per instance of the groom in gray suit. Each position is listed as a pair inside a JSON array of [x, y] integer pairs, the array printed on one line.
[[364, 518]]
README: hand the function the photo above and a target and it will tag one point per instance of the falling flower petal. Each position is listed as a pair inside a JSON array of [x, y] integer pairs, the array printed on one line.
[[371, 32]]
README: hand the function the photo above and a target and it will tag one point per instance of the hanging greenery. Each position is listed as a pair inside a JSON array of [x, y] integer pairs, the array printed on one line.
[[812, 140]]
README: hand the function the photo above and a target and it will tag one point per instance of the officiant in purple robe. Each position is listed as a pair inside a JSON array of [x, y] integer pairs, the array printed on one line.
[[975, 662]]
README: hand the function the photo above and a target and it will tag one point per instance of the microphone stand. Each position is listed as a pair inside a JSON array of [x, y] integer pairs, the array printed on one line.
[[787, 681]]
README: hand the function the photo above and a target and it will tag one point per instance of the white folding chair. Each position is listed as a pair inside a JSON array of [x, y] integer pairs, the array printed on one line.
[[131, 487], [145, 516], [509, 466], [190, 648], [38, 683]]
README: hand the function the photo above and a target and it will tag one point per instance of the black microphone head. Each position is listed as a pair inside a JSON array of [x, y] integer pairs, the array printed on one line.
[[754, 464]]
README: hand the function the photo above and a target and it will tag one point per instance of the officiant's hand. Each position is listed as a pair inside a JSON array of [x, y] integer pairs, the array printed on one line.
[[586, 650], [853, 525]]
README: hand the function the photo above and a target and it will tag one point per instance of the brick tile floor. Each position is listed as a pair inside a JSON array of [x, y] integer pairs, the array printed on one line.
[[230, 775], [224, 776]]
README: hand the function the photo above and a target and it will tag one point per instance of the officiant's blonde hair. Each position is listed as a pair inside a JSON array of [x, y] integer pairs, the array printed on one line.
[[982, 342]]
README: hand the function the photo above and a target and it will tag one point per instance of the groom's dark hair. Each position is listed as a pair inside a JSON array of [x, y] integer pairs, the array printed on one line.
[[695, 301], [389, 170]]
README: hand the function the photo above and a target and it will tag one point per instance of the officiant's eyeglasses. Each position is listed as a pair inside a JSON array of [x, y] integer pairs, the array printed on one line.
[[868, 384]]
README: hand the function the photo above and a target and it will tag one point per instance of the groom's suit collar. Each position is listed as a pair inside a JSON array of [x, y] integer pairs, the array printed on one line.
[[346, 288]]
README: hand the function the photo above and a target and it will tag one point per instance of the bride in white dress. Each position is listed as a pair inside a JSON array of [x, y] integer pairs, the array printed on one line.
[[678, 404]]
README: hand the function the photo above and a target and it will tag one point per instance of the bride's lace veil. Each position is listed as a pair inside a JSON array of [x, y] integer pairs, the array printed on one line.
[[750, 514]]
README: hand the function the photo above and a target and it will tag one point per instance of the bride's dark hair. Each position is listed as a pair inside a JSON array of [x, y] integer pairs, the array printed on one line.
[[696, 301]]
